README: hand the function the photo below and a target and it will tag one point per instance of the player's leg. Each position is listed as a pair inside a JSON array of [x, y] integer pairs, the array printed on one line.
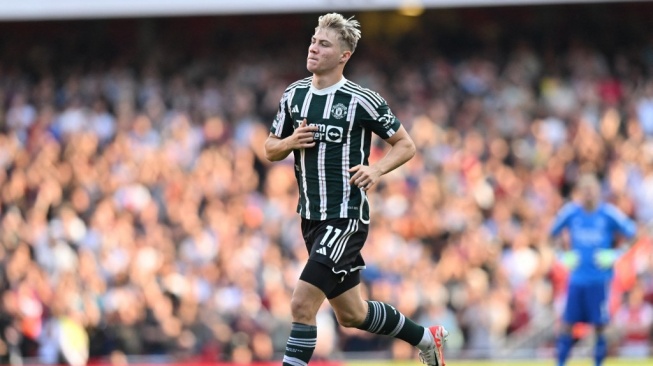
[[374, 316], [599, 317], [314, 282], [305, 302], [347, 302], [601, 346], [381, 318], [345, 260], [573, 313], [564, 343]]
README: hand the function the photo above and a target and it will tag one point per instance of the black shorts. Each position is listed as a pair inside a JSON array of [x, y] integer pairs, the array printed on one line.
[[336, 243]]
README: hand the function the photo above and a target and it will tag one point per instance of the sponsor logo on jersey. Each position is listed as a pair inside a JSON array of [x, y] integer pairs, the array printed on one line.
[[587, 237], [327, 133], [322, 251], [334, 134], [339, 111], [295, 109]]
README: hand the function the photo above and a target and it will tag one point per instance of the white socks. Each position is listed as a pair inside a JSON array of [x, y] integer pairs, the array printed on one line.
[[427, 340]]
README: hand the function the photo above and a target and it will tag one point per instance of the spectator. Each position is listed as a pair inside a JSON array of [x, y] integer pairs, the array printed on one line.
[[634, 323]]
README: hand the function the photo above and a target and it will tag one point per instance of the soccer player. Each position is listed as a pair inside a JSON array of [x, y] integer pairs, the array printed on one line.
[[592, 226], [326, 122]]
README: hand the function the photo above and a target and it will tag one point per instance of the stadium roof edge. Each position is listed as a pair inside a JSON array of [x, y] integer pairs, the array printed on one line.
[[84, 9]]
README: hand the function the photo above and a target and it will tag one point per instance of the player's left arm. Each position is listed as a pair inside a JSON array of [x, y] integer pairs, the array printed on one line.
[[623, 225], [382, 122], [402, 149]]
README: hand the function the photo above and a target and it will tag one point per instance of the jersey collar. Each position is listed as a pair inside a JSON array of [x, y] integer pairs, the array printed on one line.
[[329, 89]]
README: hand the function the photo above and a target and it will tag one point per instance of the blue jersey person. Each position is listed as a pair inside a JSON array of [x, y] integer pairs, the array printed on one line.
[[593, 227]]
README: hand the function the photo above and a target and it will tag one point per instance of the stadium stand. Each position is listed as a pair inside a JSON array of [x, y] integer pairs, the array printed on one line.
[[139, 218]]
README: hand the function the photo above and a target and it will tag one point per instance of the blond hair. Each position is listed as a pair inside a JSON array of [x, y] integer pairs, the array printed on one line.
[[346, 29]]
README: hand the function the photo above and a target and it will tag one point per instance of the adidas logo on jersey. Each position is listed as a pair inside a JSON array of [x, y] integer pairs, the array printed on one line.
[[295, 109], [322, 251]]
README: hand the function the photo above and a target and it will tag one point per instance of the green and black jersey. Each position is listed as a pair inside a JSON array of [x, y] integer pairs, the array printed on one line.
[[346, 114]]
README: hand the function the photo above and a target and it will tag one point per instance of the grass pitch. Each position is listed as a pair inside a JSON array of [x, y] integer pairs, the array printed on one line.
[[453, 362]]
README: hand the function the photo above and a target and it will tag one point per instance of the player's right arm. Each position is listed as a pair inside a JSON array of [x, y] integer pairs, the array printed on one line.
[[284, 137], [277, 148], [567, 257], [562, 219]]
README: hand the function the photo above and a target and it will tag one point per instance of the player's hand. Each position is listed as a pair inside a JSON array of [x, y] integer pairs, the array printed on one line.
[[605, 258], [303, 137], [569, 259], [364, 177]]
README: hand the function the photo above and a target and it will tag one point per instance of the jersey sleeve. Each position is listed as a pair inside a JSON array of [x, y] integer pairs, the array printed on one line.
[[380, 119], [562, 218], [621, 223], [282, 125]]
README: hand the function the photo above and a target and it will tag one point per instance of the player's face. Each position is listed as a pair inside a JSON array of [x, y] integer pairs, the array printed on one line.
[[590, 194], [325, 53]]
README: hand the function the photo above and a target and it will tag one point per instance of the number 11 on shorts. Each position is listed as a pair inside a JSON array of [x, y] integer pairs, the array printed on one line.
[[336, 234]]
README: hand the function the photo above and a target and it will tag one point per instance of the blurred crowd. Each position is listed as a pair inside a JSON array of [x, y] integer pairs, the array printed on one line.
[[138, 215]]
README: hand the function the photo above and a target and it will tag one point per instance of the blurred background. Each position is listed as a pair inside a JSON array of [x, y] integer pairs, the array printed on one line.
[[140, 221]]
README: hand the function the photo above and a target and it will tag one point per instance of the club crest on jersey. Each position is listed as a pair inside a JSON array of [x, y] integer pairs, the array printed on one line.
[[339, 111]]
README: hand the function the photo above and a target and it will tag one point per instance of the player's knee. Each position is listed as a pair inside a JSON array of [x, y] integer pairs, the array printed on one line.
[[302, 311], [350, 318]]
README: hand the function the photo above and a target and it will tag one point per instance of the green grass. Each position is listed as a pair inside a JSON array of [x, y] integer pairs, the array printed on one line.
[[453, 362]]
